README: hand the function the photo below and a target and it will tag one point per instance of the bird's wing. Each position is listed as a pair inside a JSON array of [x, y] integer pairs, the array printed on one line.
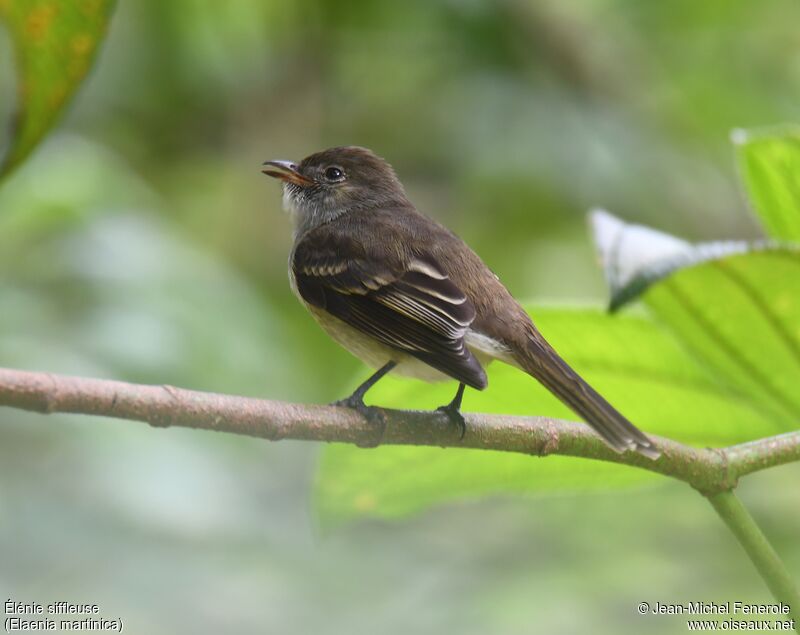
[[413, 307]]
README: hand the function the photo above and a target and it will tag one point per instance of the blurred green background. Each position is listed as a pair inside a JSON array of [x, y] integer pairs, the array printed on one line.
[[141, 242]]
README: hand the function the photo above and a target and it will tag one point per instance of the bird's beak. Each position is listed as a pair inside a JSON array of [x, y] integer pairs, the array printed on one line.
[[285, 171]]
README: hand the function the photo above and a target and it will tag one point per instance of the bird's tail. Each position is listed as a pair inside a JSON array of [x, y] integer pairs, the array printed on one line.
[[542, 362]]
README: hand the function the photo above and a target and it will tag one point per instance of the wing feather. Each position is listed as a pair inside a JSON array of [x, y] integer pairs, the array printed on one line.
[[414, 308]]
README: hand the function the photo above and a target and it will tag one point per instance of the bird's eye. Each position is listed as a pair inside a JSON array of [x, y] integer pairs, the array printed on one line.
[[334, 174]]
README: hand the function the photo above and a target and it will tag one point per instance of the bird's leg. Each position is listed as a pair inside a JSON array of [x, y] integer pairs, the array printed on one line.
[[356, 400], [453, 411]]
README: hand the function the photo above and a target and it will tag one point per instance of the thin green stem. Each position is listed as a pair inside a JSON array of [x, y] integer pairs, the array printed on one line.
[[755, 543]]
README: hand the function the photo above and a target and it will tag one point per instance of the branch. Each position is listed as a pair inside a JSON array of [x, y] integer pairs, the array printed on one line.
[[755, 543], [707, 470]]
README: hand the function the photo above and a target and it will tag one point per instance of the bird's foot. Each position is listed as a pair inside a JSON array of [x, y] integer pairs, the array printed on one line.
[[372, 414], [453, 413]]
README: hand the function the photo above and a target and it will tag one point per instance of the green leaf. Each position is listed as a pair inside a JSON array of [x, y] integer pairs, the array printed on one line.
[[736, 305], [635, 363], [770, 165], [635, 257], [55, 42], [741, 315]]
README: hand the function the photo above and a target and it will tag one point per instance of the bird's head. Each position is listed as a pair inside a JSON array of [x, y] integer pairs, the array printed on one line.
[[333, 182]]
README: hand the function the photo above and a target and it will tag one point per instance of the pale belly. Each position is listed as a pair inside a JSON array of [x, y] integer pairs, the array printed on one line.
[[376, 354]]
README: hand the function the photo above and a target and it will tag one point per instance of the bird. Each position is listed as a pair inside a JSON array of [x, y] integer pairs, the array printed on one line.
[[407, 296]]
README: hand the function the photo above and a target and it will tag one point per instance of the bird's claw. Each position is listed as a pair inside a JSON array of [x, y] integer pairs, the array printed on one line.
[[454, 414], [373, 415]]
